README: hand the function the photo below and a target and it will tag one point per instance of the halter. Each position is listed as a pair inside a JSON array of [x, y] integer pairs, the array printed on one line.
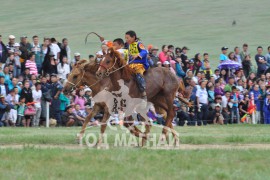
[[74, 86], [107, 73]]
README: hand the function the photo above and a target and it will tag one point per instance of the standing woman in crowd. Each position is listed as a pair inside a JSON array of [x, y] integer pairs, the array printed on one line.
[[231, 56], [246, 63], [224, 75], [27, 94], [164, 55], [63, 69], [37, 94], [219, 87], [50, 65], [178, 52], [31, 64], [251, 80], [197, 62], [243, 106]]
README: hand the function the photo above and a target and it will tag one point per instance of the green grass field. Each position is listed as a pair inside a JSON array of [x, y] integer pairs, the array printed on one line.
[[60, 157]]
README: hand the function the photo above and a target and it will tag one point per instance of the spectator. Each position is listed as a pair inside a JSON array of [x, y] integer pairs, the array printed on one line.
[[267, 57], [77, 57], [56, 89], [50, 66], [216, 74], [55, 49], [184, 57], [10, 46], [218, 117], [88, 96], [246, 63], [3, 87], [211, 93], [64, 50], [218, 89], [202, 103], [20, 111], [223, 56], [245, 52], [257, 100], [197, 62], [24, 47], [31, 64], [178, 52], [27, 94], [36, 50], [37, 95], [10, 116], [63, 69], [231, 56], [3, 52], [69, 117], [206, 67], [224, 75], [243, 106], [3, 105], [12, 98], [234, 100], [164, 55], [178, 68], [260, 60], [230, 84], [80, 99], [266, 109], [153, 53], [79, 115], [91, 58], [14, 83], [171, 50], [237, 54], [46, 50], [64, 103]]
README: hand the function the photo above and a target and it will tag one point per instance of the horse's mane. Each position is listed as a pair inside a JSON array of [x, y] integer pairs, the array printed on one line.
[[126, 71], [87, 65]]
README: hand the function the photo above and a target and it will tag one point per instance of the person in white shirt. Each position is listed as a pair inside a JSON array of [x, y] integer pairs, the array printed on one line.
[[202, 102], [99, 54], [3, 87], [55, 49], [37, 94], [12, 97], [63, 69]]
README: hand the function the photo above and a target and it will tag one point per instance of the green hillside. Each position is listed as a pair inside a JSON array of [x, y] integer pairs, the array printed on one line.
[[204, 26]]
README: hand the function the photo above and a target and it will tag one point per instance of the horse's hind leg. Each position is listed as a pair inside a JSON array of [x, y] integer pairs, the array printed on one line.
[[131, 127]]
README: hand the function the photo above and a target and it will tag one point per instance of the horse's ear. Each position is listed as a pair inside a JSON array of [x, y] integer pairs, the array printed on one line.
[[110, 51]]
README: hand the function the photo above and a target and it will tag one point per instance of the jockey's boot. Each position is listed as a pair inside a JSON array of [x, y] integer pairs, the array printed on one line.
[[142, 87]]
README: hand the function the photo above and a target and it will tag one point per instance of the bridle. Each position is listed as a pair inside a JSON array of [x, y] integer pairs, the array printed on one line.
[[74, 86], [108, 72]]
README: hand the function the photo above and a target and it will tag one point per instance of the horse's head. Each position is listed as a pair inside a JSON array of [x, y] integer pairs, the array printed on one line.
[[109, 63], [76, 78]]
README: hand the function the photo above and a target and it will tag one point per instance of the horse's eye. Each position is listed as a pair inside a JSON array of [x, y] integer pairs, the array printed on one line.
[[75, 77], [108, 62]]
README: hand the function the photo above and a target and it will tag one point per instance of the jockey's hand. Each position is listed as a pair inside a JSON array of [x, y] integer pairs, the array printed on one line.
[[134, 56]]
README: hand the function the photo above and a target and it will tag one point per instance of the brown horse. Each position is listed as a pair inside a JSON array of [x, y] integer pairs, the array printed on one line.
[[161, 84], [84, 73]]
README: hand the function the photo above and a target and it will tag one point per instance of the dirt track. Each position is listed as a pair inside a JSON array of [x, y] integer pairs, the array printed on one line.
[[181, 146]]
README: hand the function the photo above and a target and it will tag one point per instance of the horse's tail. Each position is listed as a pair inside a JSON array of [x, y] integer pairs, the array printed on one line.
[[100, 37]]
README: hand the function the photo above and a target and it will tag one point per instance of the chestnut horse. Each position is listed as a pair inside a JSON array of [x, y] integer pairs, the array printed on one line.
[[84, 73], [161, 84]]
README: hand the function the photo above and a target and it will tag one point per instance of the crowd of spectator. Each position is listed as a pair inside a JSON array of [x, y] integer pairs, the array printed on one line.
[[33, 73]]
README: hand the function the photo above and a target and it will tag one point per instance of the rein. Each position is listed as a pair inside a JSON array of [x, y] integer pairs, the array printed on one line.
[[107, 73]]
